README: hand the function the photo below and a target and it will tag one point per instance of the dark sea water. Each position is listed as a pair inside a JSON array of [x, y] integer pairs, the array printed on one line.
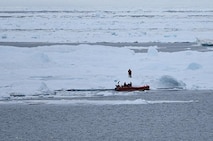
[[184, 115]]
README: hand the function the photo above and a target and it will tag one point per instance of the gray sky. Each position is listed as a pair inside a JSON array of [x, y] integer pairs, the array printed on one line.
[[109, 3]]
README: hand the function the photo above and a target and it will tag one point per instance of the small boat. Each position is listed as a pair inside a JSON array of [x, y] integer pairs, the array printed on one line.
[[131, 88]]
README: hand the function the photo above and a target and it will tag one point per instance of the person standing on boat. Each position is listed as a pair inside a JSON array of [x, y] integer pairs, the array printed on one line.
[[130, 73]]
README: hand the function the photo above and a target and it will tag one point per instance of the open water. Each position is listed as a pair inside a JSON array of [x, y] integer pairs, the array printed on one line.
[[160, 115]]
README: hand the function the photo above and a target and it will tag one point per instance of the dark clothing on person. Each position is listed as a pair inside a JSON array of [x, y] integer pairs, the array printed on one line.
[[130, 73]]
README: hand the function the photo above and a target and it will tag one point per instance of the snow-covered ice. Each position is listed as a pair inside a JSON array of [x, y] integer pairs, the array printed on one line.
[[96, 102], [136, 25], [41, 70]]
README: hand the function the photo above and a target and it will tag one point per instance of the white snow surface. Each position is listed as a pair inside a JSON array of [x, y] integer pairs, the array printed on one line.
[[41, 70], [86, 25]]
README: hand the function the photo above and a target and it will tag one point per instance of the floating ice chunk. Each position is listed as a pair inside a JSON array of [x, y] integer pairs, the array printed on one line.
[[96, 102], [152, 51], [169, 82], [205, 42], [43, 89], [194, 66]]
